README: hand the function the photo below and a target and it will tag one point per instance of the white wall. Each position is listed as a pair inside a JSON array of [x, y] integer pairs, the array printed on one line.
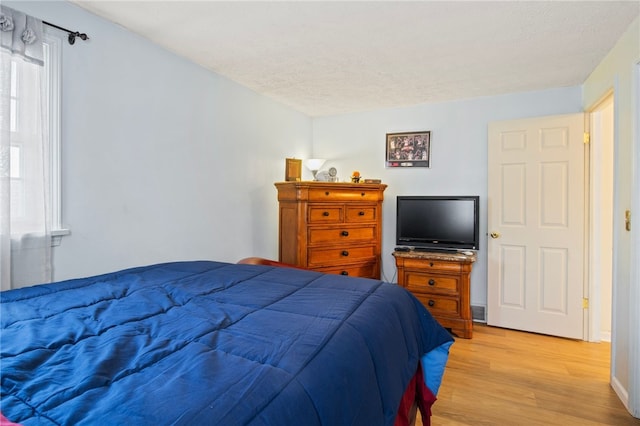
[[162, 160], [458, 158]]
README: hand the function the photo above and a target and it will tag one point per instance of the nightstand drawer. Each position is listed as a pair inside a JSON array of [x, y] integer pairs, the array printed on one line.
[[341, 234], [438, 265], [340, 255], [421, 282], [445, 306], [367, 270], [361, 214], [326, 214]]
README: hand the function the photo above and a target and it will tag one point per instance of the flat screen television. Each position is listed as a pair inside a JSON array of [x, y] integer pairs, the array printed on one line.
[[438, 222]]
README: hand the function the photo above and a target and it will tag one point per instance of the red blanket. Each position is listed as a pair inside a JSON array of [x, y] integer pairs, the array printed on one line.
[[417, 393]]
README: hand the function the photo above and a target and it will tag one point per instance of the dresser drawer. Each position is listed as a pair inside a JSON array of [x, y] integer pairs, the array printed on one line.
[[431, 283], [440, 305], [326, 214], [437, 265], [341, 255], [317, 194], [367, 270], [361, 213], [341, 234]]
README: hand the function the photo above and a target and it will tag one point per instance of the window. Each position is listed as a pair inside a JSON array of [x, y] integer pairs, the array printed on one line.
[[53, 74], [23, 120]]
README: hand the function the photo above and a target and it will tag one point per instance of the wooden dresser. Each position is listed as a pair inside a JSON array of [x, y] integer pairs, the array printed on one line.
[[331, 227], [441, 281]]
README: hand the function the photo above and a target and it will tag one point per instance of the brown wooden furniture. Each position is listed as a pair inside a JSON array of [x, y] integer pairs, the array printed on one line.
[[331, 227], [441, 281], [263, 261]]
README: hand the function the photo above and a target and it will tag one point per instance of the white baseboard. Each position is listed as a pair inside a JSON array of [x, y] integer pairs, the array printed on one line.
[[605, 336], [621, 392]]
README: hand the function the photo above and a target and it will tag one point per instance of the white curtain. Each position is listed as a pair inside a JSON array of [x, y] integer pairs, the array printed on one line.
[[25, 236]]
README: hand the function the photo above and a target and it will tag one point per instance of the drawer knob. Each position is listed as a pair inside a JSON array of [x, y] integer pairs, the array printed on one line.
[[345, 253], [432, 282], [325, 213], [326, 193], [361, 213], [431, 264], [345, 233], [431, 303], [344, 273], [362, 194]]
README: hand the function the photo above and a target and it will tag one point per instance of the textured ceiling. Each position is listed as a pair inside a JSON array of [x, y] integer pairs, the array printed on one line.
[[335, 57]]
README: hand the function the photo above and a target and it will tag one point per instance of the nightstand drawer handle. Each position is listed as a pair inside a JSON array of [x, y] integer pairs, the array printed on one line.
[[345, 233], [344, 273], [345, 253], [326, 193], [360, 213], [431, 303], [431, 264], [362, 194], [432, 282], [325, 213]]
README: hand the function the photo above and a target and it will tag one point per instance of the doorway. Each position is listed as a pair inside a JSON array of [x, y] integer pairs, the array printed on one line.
[[601, 183]]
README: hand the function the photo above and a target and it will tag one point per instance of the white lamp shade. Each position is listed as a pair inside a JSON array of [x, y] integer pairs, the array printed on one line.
[[315, 163]]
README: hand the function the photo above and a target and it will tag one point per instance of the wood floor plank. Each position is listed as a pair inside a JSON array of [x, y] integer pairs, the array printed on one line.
[[507, 377]]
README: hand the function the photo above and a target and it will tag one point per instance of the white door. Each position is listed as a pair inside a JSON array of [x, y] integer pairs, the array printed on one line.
[[536, 205]]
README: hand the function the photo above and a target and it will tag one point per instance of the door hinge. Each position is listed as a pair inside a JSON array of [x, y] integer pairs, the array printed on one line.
[[587, 138], [585, 303]]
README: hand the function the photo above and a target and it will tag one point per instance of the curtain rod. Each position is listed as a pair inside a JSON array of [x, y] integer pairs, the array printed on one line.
[[72, 34]]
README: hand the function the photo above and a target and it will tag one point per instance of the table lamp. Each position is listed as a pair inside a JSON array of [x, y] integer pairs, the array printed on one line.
[[314, 165]]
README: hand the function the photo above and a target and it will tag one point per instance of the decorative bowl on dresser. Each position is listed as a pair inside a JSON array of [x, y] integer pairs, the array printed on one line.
[[331, 227], [441, 281]]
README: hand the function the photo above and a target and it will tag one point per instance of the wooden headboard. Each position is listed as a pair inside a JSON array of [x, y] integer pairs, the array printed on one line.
[[263, 261]]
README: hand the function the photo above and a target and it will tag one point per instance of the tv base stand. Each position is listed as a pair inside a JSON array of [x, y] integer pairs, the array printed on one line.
[[441, 281]]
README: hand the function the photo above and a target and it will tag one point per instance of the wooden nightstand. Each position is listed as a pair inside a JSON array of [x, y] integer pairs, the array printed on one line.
[[331, 227], [441, 281]]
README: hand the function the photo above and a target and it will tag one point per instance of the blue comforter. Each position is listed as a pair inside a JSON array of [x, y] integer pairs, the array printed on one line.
[[211, 343]]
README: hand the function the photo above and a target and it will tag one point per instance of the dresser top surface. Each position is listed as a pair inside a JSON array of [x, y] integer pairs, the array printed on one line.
[[331, 185], [330, 192], [433, 255]]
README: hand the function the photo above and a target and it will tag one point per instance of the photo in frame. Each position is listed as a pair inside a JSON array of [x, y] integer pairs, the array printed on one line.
[[293, 169], [408, 149]]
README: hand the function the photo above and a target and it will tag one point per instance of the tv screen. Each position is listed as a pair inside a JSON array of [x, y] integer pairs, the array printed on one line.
[[438, 222]]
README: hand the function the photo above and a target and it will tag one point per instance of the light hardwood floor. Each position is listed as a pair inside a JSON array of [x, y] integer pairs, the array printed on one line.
[[506, 377]]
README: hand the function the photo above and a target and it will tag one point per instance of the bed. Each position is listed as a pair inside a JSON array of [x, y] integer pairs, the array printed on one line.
[[205, 342]]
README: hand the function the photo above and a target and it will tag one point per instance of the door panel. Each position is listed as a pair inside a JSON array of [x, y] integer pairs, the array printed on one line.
[[513, 183], [554, 285], [536, 222], [512, 271]]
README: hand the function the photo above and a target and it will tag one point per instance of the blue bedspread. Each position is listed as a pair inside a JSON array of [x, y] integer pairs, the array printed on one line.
[[211, 343]]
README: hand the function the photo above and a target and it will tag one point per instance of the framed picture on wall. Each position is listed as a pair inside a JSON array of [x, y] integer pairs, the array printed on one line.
[[408, 149]]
